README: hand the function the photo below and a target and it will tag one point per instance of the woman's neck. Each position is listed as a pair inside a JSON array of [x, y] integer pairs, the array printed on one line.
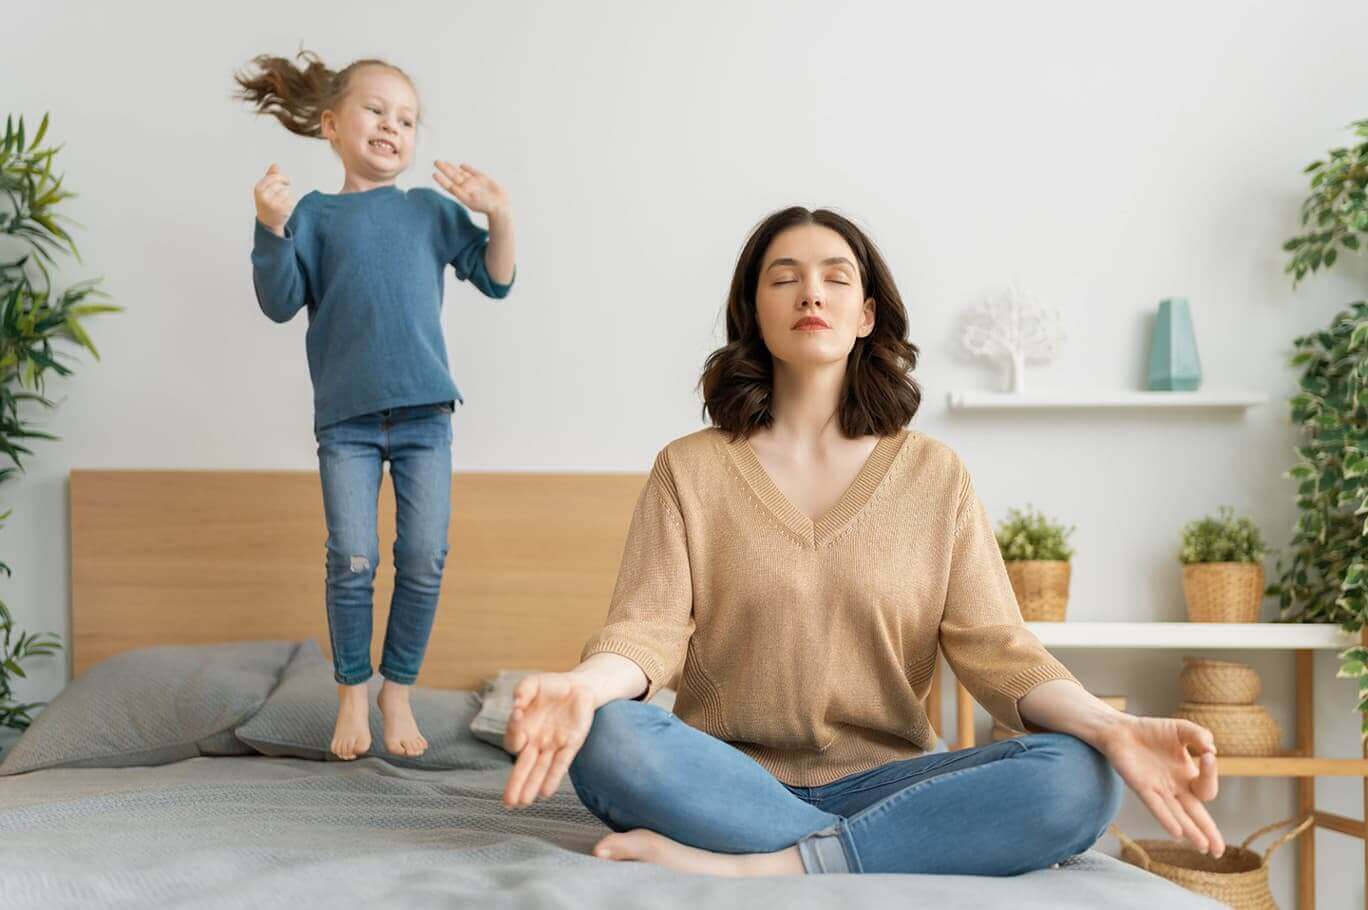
[[805, 401]]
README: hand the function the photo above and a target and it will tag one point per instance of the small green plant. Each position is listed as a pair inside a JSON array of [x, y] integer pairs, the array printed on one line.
[[1326, 576], [1224, 538], [1028, 534]]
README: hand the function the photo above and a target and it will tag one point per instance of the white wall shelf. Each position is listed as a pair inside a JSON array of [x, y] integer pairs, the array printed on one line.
[[1178, 635], [1226, 399]]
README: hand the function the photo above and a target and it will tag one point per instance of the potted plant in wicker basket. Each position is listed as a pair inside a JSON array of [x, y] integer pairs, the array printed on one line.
[[1036, 551], [1223, 578]]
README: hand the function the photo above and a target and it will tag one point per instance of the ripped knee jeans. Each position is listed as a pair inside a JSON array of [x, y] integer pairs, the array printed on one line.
[[416, 441]]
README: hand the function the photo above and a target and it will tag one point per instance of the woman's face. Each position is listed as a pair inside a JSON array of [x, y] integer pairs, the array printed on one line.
[[809, 301], [375, 127]]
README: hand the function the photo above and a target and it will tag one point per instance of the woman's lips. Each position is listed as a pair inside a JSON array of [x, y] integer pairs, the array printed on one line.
[[810, 324]]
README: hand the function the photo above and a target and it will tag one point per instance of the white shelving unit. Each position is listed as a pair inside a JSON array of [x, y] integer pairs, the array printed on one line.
[[1211, 399], [1258, 636]]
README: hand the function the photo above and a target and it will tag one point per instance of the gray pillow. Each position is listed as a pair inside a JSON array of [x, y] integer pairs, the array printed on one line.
[[297, 721], [153, 706], [496, 703]]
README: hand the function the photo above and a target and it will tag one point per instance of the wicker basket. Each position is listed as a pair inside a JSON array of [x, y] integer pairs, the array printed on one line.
[[1219, 682], [1041, 587], [1239, 878], [1238, 729], [1223, 591]]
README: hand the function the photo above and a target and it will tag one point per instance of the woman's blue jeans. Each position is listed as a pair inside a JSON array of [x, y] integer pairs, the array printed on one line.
[[1001, 809], [416, 441]]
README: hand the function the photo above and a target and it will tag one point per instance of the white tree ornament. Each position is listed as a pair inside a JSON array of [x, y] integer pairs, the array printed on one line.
[[1016, 328]]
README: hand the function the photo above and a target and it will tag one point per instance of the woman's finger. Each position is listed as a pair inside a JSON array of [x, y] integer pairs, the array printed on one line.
[[1196, 735], [1160, 810], [535, 779], [1207, 783], [526, 691], [1190, 829], [1202, 818], [516, 778]]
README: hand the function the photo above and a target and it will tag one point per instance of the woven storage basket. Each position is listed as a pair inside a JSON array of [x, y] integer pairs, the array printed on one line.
[[1239, 878], [1219, 682], [1238, 729], [1041, 587], [1223, 591]]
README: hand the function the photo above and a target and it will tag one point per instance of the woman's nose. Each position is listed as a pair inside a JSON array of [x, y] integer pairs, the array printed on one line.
[[812, 294]]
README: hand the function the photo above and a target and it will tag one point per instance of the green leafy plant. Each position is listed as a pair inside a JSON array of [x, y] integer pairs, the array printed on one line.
[[1336, 212], [1028, 534], [1326, 577], [15, 648], [35, 319], [1222, 538]]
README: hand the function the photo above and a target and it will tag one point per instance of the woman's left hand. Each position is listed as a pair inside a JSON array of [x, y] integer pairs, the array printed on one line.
[[472, 188], [1151, 755]]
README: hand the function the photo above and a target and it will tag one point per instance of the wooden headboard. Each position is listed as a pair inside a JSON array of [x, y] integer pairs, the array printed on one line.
[[188, 557]]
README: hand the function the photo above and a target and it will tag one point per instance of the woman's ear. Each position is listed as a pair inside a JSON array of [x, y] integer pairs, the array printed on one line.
[[867, 320]]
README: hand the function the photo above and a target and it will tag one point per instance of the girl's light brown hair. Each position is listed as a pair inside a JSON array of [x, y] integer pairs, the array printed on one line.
[[297, 96], [879, 395]]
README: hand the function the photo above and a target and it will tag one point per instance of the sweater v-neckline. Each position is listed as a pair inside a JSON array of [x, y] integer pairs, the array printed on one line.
[[823, 529]]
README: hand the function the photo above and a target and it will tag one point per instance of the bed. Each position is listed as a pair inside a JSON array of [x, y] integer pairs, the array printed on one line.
[[192, 559]]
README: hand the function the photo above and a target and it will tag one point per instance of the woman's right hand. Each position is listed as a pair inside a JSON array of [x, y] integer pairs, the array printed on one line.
[[273, 200], [551, 716]]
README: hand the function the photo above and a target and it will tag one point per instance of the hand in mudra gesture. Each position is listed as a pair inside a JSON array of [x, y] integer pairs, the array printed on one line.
[[551, 716]]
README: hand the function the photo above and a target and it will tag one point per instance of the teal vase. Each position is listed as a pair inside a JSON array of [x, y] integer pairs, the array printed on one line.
[[1173, 363]]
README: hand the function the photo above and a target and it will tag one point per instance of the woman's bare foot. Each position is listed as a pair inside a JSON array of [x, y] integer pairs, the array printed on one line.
[[351, 736], [401, 730], [646, 846]]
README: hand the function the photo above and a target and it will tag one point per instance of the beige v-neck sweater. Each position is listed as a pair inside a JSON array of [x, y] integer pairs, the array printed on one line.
[[809, 645]]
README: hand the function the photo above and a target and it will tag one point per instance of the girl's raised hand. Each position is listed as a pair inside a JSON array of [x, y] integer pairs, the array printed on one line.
[[472, 188], [274, 201]]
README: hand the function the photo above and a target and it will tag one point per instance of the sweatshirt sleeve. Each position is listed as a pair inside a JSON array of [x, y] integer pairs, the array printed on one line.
[[985, 641], [281, 288], [464, 247], [650, 618]]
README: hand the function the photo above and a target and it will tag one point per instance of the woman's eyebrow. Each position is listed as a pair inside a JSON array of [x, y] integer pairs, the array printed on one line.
[[832, 260]]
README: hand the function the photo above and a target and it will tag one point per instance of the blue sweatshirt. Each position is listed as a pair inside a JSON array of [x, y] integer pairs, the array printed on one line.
[[369, 268]]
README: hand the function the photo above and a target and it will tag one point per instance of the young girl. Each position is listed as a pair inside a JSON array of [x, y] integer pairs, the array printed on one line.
[[367, 262]]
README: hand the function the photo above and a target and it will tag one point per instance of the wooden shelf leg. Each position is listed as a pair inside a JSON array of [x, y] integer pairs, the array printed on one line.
[[1305, 718], [964, 717]]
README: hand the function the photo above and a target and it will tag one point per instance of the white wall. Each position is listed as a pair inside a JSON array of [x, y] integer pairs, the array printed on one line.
[[1104, 156]]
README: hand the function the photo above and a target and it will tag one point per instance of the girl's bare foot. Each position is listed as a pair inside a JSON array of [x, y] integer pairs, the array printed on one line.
[[401, 730], [351, 736], [646, 846]]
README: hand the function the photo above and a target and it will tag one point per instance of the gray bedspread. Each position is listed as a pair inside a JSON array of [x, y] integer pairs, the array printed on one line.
[[270, 832]]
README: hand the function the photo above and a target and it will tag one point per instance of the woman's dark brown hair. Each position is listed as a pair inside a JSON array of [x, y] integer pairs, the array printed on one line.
[[879, 395], [298, 96]]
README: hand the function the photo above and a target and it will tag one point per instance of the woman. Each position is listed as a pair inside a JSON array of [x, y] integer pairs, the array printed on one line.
[[804, 559]]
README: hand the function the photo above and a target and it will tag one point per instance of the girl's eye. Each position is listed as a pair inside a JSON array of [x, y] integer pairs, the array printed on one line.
[[786, 281], [838, 281], [373, 110]]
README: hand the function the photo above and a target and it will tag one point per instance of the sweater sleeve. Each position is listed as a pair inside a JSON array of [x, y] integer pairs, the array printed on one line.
[[464, 247], [985, 641], [281, 289], [650, 618]]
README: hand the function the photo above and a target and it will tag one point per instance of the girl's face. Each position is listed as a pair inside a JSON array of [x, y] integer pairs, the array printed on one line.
[[375, 127], [809, 302]]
